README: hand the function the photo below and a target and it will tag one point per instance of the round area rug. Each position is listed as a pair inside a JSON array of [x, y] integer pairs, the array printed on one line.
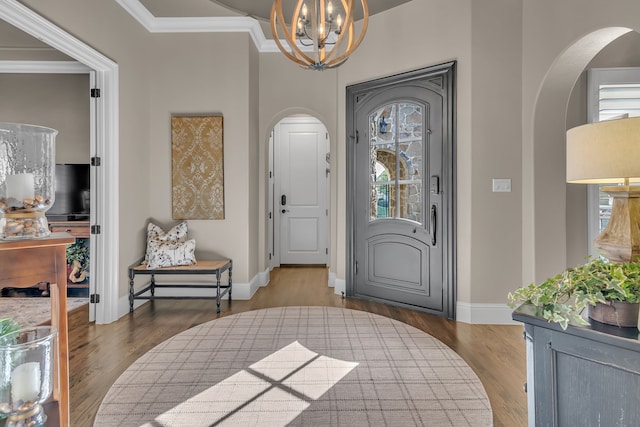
[[298, 366]]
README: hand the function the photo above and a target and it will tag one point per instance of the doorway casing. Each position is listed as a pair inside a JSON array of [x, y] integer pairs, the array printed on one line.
[[273, 233], [105, 130]]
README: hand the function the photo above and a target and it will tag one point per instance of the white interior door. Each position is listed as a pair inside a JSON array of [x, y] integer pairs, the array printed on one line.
[[301, 170]]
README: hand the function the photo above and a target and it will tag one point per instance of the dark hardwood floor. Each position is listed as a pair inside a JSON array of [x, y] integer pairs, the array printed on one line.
[[100, 353]]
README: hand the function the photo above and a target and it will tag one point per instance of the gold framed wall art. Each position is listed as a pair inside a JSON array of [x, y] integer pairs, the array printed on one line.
[[197, 184]]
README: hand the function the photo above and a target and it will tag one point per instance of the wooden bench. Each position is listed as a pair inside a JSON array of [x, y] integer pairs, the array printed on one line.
[[203, 267]]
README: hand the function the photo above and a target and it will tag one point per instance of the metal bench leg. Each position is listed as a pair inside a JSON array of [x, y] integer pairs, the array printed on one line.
[[218, 291], [131, 276], [230, 285]]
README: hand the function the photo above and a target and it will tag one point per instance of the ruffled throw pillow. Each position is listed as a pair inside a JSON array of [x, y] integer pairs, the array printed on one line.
[[168, 254], [169, 248]]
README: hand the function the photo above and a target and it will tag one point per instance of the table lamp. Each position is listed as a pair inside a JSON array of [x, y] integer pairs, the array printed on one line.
[[609, 153]]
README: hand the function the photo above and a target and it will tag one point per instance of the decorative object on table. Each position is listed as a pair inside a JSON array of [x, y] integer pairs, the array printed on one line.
[[321, 36], [26, 375], [197, 167], [609, 153], [78, 261], [27, 179], [169, 249], [611, 289]]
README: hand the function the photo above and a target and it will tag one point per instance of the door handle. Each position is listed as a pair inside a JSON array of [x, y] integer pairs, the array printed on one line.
[[434, 222], [283, 200], [285, 210]]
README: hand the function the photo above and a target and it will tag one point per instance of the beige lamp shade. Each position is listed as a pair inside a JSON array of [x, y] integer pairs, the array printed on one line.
[[604, 152]]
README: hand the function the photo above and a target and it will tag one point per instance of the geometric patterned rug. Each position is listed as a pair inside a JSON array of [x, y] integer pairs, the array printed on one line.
[[298, 366]]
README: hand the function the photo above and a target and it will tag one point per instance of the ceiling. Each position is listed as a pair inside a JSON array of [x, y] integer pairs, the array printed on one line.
[[12, 38], [259, 9]]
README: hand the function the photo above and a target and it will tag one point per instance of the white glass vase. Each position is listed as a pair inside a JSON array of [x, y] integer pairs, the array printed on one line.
[[26, 375], [27, 179]]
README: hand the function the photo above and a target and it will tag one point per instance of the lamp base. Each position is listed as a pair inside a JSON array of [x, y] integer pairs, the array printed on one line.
[[620, 240]]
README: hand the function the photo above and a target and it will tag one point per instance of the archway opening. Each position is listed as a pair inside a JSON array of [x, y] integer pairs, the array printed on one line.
[[547, 231]]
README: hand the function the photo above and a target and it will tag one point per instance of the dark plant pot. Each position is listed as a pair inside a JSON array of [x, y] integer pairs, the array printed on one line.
[[616, 313]]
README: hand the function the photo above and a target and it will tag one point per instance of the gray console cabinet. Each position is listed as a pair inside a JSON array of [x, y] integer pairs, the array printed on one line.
[[582, 376]]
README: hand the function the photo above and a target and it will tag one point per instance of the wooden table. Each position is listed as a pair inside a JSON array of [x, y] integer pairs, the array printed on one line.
[[24, 263]]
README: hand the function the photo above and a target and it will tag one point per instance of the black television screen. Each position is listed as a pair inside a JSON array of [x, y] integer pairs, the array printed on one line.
[[73, 183]]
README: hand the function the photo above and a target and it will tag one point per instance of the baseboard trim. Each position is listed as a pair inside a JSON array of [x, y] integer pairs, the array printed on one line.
[[484, 314], [340, 286], [332, 279]]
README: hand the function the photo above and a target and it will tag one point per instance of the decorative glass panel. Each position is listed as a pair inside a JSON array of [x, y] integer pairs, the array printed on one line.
[[397, 149]]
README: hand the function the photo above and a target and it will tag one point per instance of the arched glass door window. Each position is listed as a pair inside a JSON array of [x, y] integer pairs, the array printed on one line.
[[397, 147]]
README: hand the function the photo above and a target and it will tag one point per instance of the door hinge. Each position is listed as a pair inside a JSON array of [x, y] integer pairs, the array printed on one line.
[[326, 212], [95, 93], [269, 215], [326, 251], [95, 229], [357, 137], [356, 267], [94, 298], [96, 161]]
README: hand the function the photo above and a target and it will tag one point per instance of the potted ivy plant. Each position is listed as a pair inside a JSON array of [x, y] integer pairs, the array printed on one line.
[[610, 291]]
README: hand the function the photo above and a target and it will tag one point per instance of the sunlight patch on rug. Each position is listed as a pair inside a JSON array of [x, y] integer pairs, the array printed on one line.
[[274, 391]]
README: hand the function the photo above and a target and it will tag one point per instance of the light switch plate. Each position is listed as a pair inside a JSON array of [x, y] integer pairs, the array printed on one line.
[[502, 185]]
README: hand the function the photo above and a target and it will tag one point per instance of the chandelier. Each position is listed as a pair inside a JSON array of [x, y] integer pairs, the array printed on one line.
[[318, 37]]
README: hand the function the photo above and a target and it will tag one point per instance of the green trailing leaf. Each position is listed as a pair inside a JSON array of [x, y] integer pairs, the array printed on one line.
[[562, 298], [8, 325]]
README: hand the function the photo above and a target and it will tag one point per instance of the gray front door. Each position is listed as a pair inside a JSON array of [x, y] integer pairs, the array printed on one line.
[[400, 184]]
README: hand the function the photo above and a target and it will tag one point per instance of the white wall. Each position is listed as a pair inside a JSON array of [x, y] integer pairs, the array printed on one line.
[[58, 101], [204, 73]]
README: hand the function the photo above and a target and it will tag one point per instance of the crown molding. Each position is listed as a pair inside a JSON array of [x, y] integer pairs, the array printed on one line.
[[213, 24], [26, 20], [44, 67]]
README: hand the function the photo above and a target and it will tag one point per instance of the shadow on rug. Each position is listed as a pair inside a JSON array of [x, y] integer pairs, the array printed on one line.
[[298, 366]]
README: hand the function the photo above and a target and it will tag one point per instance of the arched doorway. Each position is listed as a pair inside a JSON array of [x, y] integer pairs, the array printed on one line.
[[299, 175], [547, 228]]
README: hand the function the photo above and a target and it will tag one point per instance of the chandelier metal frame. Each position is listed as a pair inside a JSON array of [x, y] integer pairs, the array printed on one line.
[[320, 23]]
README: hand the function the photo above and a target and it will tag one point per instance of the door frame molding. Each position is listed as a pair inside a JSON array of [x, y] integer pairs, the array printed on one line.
[[107, 143], [446, 74]]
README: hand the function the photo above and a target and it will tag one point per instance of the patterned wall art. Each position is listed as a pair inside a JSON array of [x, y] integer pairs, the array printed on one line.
[[197, 167]]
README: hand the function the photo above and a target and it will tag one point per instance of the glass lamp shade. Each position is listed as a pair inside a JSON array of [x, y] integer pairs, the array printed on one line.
[[26, 375], [27, 179]]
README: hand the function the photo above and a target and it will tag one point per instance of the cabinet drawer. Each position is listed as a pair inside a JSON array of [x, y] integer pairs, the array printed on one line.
[[75, 228]]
